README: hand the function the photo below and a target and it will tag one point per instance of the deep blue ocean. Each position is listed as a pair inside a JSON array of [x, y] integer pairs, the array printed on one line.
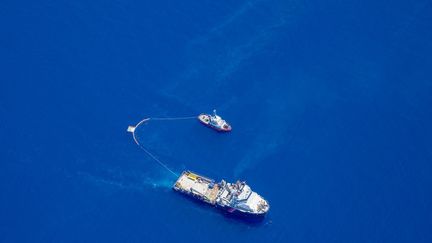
[[330, 103]]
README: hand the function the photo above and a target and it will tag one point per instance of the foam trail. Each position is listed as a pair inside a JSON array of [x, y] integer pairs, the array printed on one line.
[[123, 182]]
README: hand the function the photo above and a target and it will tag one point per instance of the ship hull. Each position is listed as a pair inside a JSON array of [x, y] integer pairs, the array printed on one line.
[[204, 190], [227, 212], [238, 213]]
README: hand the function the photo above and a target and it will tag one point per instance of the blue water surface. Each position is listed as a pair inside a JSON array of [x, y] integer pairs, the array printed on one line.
[[330, 103]]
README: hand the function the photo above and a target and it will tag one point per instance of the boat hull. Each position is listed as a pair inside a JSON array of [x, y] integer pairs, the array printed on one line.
[[205, 120], [238, 213], [227, 211], [204, 190]]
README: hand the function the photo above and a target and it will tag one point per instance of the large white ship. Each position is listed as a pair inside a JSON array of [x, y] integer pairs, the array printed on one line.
[[236, 198]]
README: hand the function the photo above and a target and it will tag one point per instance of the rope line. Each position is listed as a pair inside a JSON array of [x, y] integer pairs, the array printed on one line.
[[133, 129], [157, 160], [172, 118]]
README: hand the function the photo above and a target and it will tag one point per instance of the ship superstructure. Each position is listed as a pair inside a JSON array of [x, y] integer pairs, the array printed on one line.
[[232, 197]]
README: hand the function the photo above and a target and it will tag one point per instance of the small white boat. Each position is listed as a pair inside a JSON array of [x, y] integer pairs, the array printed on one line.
[[214, 121]]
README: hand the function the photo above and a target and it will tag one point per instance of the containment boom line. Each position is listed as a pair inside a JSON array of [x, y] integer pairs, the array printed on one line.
[[172, 118], [132, 129]]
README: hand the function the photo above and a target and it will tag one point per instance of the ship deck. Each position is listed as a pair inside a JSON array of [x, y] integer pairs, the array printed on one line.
[[199, 186]]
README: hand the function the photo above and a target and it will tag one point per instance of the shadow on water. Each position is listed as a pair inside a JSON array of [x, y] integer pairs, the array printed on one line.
[[254, 221]]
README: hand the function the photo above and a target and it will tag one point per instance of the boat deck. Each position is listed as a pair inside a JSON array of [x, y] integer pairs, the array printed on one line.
[[199, 186]]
